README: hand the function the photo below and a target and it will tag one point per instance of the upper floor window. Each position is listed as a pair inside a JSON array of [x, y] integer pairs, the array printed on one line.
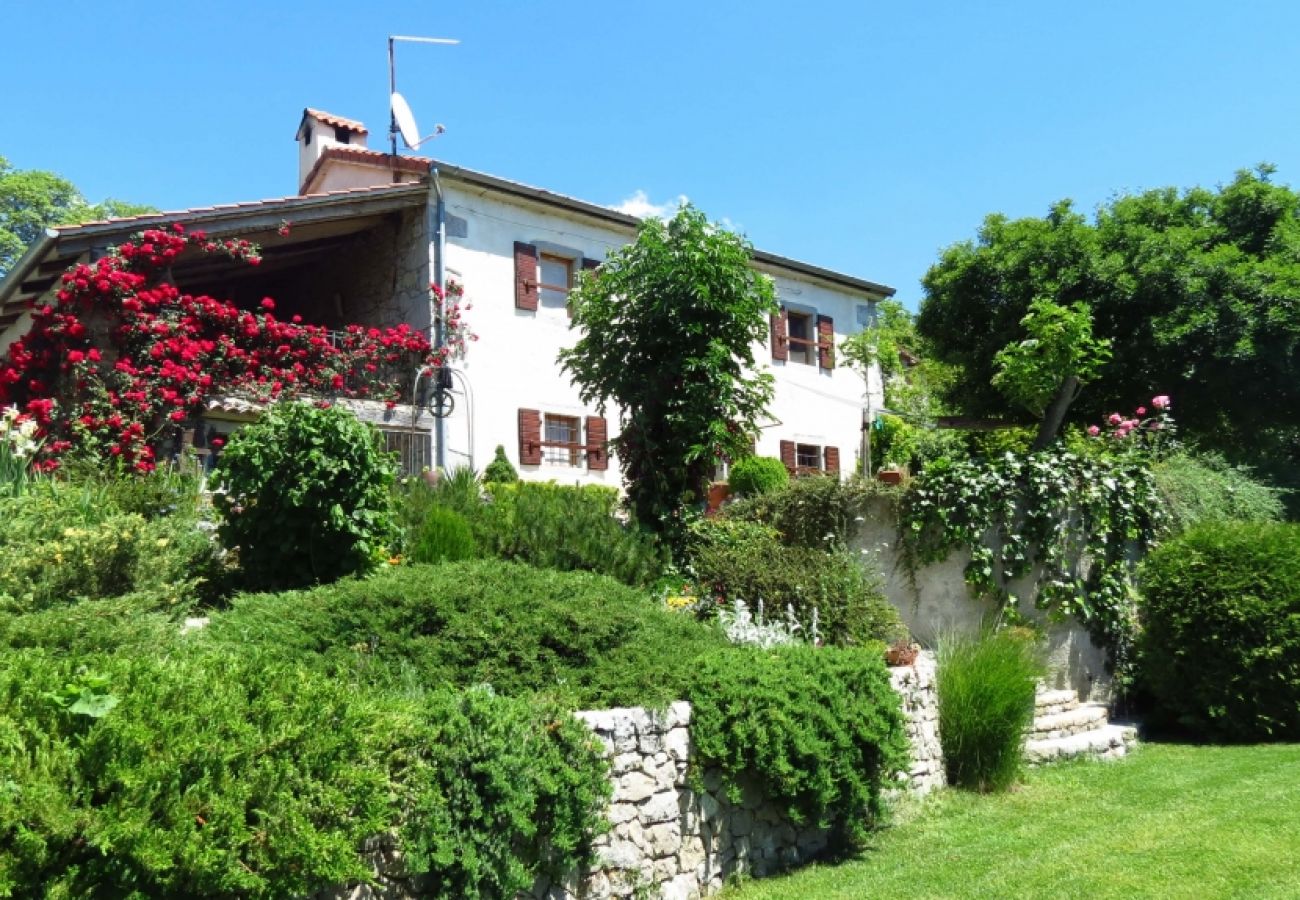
[[802, 346], [555, 280]]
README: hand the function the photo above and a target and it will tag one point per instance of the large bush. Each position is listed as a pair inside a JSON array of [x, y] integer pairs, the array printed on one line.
[[304, 496], [820, 730], [735, 559], [1221, 647], [215, 775], [1205, 488], [986, 688]]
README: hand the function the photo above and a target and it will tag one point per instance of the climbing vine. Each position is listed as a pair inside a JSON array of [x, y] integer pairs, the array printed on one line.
[[1073, 520]]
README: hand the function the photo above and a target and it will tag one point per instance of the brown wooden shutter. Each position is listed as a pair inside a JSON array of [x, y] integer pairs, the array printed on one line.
[[597, 444], [787, 456], [825, 342], [525, 276], [831, 457], [781, 335], [530, 437]]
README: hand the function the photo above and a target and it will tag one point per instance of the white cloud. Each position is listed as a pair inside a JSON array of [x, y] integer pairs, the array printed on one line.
[[639, 205]]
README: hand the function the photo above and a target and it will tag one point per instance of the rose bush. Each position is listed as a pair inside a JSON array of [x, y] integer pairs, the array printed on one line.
[[122, 356]]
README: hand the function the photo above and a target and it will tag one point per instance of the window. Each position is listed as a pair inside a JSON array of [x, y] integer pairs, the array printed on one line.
[[808, 457], [562, 440], [803, 348], [413, 449], [862, 313], [555, 281]]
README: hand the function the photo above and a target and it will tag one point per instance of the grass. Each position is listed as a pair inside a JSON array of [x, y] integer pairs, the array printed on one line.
[[1172, 821]]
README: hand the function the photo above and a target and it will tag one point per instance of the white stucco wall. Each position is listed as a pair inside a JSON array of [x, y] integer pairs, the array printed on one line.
[[513, 364]]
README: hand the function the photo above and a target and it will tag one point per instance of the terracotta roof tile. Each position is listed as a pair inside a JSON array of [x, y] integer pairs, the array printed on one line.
[[336, 121]]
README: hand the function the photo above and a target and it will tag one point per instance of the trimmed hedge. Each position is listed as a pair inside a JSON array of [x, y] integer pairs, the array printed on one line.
[[1199, 488], [1220, 652]]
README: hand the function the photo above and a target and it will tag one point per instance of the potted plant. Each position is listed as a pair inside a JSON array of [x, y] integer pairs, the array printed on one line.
[[902, 652], [890, 473]]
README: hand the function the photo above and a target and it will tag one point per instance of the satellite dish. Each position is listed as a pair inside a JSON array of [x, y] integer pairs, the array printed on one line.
[[404, 119]]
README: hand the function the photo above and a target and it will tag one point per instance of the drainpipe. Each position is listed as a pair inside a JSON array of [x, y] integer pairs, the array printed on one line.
[[440, 279]]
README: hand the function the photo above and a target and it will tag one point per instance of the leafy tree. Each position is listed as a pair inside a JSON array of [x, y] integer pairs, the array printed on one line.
[[32, 200], [669, 325], [1198, 291], [1045, 372]]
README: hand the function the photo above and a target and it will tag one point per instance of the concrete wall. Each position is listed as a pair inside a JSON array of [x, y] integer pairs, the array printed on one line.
[[938, 601], [513, 365]]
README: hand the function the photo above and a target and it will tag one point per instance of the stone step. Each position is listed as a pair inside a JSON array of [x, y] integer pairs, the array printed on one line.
[[1107, 742], [1085, 717], [1047, 703]]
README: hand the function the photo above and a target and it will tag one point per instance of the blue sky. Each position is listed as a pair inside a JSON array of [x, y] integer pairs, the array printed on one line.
[[859, 136]]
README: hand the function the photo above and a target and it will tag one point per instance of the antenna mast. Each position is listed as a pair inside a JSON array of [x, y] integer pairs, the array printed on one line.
[[393, 129]]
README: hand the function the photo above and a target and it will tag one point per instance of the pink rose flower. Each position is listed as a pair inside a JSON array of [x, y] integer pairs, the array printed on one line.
[[1161, 402], [1093, 431], [1114, 418], [1141, 410]]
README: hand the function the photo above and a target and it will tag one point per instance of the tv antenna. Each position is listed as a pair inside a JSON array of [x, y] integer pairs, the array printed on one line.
[[402, 120]]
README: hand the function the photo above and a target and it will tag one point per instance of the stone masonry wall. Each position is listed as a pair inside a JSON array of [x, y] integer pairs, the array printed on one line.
[[671, 842]]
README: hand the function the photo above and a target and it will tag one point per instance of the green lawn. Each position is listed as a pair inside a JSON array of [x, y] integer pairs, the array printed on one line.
[[1171, 821]]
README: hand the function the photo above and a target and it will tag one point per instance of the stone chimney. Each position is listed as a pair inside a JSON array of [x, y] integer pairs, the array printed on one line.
[[319, 131]]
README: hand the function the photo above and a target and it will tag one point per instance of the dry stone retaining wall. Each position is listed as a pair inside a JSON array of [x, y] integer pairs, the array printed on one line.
[[670, 841], [673, 842]]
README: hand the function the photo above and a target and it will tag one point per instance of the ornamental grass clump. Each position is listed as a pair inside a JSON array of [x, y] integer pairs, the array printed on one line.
[[445, 536], [986, 686]]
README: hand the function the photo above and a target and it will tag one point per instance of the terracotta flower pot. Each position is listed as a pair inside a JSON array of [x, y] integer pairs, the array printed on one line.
[[890, 476], [719, 492]]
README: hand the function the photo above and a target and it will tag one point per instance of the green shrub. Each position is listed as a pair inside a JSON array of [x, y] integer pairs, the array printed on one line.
[[211, 775], [814, 511], [64, 541], [820, 730], [500, 471], [129, 623], [986, 688], [1220, 651], [737, 559], [570, 528], [445, 536], [755, 475], [304, 496], [163, 492], [1205, 488], [584, 637]]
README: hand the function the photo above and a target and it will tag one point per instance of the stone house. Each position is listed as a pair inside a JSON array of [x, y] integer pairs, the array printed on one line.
[[369, 232]]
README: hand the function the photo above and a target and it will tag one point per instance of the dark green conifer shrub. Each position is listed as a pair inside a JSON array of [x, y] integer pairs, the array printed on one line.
[[500, 471]]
